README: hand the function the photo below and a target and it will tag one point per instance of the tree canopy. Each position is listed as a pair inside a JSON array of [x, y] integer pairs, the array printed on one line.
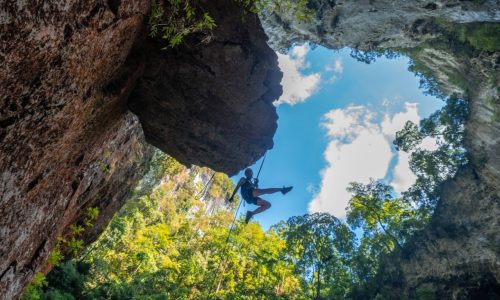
[[171, 239]]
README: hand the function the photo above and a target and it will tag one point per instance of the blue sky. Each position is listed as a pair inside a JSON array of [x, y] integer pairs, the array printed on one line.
[[337, 120]]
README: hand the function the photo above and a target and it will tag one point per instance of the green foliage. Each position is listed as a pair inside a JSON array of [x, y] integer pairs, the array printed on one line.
[[297, 8], [34, 290], [494, 103], [425, 293], [56, 256], [71, 245], [163, 245], [173, 20], [387, 220], [432, 167], [67, 281], [319, 245], [91, 215], [161, 166], [481, 36], [108, 169]]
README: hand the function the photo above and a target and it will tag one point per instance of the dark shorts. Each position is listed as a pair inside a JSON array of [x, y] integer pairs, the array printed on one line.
[[249, 198]]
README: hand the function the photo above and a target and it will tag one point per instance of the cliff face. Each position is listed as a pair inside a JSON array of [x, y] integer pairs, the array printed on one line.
[[458, 255], [209, 101], [68, 142], [372, 24], [67, 139]]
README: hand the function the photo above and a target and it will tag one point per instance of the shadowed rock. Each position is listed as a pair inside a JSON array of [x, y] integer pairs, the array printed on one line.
[[209, 101], [67, 142]]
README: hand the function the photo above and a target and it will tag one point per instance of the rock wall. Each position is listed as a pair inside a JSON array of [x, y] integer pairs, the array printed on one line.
[[209, 101], [67, 139], [458, 255], [372, 24]]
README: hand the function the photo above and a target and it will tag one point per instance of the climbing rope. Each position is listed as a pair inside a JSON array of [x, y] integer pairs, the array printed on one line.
[[260, 169], [239, 204], [233, 223]]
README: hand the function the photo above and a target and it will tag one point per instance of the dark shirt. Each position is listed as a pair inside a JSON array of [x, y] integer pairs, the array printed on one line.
[[247, 190]]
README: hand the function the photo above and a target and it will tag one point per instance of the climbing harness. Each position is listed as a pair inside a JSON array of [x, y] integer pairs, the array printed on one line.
[[256, 183], [233, 225]]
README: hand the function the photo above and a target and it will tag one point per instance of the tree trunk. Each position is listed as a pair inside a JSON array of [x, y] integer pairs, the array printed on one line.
[[318, 284]]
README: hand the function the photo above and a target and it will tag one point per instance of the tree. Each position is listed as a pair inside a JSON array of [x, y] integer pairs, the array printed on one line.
[[432, 167], [163, 245], [384, 219], [386, 222], [320, 246]]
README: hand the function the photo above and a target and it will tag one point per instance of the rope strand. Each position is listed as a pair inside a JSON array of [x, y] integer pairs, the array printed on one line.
[[233, 224]]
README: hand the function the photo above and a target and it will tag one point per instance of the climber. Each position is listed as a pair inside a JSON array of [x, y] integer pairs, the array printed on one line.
[[250, 192]]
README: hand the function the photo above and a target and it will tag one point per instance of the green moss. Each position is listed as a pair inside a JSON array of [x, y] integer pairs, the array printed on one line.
[[460, 40], [481, 36], [425, 293], [495, 104], [478, 2], [458, 80]]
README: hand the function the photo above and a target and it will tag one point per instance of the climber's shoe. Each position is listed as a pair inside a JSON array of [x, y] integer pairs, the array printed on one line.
[[248, 217], [285, 190]]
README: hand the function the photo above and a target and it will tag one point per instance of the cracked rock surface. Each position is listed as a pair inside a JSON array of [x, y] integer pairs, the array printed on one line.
[[67, 142]]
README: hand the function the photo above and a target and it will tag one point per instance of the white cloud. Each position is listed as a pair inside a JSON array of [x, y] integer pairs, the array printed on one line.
[[391, 125], [403, 177], [429, 143], [360, 149], [335, 70], [339, 68], [357, 151], [297, 87], [346, 123]]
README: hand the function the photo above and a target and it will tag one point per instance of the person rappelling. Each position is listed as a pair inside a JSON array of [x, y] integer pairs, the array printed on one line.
[[251, 193]]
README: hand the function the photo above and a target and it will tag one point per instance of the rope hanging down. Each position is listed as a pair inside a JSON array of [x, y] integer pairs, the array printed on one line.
[[234, 219], [241, 200]]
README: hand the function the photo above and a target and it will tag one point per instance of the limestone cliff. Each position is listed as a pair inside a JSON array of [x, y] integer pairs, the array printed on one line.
[[67, 139], [372, 24], [457, 256]]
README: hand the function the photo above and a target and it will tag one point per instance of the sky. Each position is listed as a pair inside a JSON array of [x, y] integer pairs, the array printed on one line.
[[337, 120]]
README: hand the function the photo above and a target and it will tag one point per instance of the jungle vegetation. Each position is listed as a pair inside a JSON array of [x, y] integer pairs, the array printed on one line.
[[171, 240]]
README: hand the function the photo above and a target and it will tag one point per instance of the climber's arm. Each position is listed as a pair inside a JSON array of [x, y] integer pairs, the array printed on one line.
[[240, 182]]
